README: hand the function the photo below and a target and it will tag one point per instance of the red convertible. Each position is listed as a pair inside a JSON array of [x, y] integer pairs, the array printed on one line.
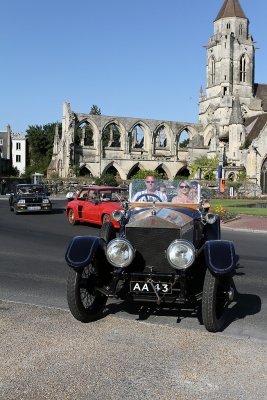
[[95, 204]]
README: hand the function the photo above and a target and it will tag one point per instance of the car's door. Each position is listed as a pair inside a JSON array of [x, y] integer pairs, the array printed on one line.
[[91, 207], [80, 204]]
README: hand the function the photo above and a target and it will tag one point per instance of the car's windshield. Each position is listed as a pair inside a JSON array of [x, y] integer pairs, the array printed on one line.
[[157, 190], [30, 189]]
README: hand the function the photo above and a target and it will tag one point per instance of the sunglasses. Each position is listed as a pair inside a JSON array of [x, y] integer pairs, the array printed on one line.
[[184, 187], [150, 181]]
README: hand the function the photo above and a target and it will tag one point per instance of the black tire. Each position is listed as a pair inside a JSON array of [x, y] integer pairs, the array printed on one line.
[[85, 303], [107, 232], [217, 294], [71, 217]]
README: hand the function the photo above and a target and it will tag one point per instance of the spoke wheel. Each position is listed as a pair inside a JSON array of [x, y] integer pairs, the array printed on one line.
[[71, 217], [85, 302], [217, 295]]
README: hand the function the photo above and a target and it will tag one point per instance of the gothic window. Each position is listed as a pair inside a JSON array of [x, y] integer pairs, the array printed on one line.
[[182, 140], [228, 25], [212, 71], [84, 134], [243, 68], [160, 138], [111, 136], [240, 30], [136, 138]]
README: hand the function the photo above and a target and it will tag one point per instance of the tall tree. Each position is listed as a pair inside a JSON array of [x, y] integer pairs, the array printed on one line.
[[95, 110], [40, 139]]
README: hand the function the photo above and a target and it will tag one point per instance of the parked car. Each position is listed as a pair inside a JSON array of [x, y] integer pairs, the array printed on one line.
[[95, 204], [170, 254], [30, 198]]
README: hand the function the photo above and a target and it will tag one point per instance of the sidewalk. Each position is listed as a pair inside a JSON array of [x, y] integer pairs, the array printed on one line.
[[247, 223]]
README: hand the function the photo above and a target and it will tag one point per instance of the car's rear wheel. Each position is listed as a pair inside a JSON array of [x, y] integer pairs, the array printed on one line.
[[218, 292], [85, 302], [71, 217], [105, 218], [107, 232]]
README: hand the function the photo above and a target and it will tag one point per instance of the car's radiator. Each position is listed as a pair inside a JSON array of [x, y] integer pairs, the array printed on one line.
[[151, 245]]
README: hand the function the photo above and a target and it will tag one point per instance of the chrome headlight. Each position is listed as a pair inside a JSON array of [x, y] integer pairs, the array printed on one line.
[[120, 252], [21, 201], [45, 201], [210, 218], [117, 215], [181, 254]]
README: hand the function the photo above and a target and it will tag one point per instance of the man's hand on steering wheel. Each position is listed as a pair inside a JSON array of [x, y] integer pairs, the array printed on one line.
[[147, 196]]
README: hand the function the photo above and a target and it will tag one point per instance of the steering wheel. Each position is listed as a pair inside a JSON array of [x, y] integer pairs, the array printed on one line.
[[147, 195]]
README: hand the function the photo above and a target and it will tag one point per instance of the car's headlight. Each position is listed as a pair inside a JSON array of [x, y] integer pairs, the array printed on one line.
[[120, 252], [45, 201], [21, 201], [117, 215], [181, 254]]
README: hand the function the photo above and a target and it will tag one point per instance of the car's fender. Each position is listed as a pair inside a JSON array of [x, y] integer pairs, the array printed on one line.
[[220, 256], [82, 249]]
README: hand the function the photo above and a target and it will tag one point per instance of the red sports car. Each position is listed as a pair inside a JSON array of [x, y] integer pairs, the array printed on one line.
[[95, 204]]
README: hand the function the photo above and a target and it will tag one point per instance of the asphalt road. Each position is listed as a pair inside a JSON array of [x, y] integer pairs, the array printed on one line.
[[46, 354], [33, 271]]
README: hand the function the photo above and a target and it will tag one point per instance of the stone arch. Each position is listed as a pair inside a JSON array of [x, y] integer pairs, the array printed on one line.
[[145, 142], [85, 171], [164, 170], [112, 134], [134, 170], [114, 169], [161, 139], [212, 70], [263, 177], [183, 171], [244, 69], [209, 133]]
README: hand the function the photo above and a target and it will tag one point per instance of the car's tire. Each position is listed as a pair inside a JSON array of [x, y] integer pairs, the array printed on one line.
[[107, 232], [85, 303], [105, 218], [71, 217], [217, 294]]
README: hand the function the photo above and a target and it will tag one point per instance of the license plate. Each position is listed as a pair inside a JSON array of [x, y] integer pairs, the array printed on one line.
[[33, 208], [146, 287]]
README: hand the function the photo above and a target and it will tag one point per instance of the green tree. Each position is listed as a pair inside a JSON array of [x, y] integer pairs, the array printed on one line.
[[40, 140], [95, 110], [207, 165]]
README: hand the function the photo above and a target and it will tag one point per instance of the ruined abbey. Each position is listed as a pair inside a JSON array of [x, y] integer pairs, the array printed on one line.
[[232, 121]]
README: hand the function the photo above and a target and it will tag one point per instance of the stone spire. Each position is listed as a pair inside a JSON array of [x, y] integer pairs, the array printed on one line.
[[231, 8], [236, 115]]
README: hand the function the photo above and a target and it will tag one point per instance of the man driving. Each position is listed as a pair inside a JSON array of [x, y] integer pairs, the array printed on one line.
[[150, 194]]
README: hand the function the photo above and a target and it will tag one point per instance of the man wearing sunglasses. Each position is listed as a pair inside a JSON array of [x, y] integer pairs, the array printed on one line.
[[150, 194], [183, 194]]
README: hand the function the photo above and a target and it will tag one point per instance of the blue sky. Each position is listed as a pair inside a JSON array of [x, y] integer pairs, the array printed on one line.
[[141, 58]]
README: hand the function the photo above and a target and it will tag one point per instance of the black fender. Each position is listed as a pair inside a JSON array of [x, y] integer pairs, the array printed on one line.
[[82, 249], [220, 256], [213, 231]]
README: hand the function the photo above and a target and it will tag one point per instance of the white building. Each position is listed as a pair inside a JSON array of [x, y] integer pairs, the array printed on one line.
[[18, 152]]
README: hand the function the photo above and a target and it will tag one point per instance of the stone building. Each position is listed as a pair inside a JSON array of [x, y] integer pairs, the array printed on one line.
[[18, 152], [232, 121], [5, 151]]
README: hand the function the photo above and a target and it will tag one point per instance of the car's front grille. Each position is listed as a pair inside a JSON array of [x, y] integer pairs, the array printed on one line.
[[151, 245]]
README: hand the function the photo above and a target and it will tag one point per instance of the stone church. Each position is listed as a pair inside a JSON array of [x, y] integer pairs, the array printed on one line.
[[232, 121]]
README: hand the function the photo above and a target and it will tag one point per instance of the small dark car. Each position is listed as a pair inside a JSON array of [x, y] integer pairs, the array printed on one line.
[[170, 254], [30, 198]]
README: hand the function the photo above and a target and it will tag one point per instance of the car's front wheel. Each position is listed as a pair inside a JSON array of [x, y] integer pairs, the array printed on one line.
[[218, 292], [71, 217], [85, 302]]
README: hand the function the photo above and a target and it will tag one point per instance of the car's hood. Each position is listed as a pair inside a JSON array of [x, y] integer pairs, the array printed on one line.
[[160, 218]]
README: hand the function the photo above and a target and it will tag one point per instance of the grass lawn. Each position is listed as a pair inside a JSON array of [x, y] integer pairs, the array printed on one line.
[[233, 206]]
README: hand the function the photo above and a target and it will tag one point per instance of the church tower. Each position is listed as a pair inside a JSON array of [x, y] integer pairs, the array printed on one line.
[[229, 70]]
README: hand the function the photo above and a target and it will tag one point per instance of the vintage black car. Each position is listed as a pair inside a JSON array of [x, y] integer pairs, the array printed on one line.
[[167, 253], [30, 198]]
